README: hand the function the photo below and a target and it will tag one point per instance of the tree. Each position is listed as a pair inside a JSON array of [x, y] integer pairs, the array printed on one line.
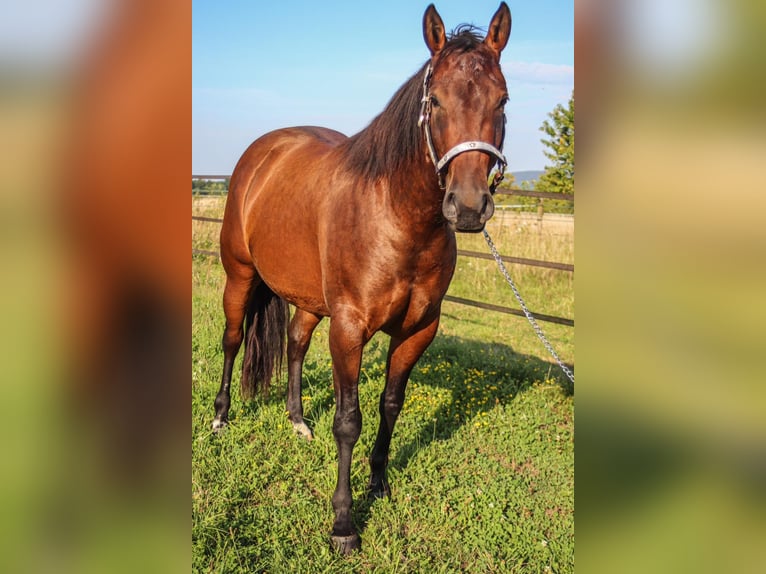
[[559, 141]]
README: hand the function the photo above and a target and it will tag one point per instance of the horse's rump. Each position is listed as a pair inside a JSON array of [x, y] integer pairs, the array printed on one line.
[[272, 210]]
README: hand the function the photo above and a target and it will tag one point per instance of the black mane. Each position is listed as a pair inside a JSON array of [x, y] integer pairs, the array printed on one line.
[[394, 138]]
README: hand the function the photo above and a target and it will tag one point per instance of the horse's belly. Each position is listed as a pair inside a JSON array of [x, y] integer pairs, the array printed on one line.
[[289, 265], [297, 286]]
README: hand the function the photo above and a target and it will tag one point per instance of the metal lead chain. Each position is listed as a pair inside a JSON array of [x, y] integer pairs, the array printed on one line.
[[529, 316]]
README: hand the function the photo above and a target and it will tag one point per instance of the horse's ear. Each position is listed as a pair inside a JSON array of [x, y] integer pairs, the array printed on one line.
[[433, 30], [499, 29]]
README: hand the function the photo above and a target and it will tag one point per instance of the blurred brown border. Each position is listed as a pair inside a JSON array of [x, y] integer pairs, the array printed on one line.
[[670, 243], [95, 161]]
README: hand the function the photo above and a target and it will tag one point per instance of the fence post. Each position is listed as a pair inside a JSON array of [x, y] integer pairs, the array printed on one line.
[[540, 213]]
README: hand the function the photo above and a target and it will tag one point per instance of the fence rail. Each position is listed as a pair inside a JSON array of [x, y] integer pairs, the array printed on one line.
[[567, 267], [530, 193], [520, 260], [500, 191], [508, 310], [211, 219]]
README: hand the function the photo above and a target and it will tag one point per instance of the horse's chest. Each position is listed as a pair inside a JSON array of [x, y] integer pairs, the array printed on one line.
[[417, 300], [422, 303]]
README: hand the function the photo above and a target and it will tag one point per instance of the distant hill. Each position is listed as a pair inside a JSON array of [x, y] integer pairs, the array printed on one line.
[[528, 175]]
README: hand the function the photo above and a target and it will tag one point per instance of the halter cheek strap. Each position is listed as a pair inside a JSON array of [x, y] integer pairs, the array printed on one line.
[[440, 164]]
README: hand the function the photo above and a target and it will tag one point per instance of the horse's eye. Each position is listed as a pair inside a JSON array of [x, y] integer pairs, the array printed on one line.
[[502, 103], [434, 102]]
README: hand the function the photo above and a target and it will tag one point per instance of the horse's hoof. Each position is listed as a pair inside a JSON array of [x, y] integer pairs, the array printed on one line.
[[379, 492], [378, 489], [218, 424], [345, 545], [303, 431]]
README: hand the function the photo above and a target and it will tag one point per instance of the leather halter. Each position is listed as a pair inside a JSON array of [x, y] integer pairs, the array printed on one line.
[[440, 164]]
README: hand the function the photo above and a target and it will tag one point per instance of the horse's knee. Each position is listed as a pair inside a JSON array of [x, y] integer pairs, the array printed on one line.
[[391, 407], [347, 425]]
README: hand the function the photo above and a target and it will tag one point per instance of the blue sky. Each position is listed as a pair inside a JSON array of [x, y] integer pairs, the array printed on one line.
[[261, 65]]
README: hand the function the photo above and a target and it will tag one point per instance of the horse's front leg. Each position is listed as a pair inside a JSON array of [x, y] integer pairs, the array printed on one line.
[[402, 356], [347, 339]]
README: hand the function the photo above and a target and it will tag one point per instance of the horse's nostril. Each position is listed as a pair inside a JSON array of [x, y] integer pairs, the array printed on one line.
[[449, 207], [487, 208]]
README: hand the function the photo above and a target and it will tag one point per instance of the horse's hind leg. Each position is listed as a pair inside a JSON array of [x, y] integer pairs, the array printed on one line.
[[239, 281], [299, 334]]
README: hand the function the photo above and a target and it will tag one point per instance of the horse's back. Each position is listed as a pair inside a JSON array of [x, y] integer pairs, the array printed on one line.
[[275, 194], [274, 152]]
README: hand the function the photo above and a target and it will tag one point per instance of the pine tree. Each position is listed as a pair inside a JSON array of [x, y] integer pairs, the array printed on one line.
[[559, 141]]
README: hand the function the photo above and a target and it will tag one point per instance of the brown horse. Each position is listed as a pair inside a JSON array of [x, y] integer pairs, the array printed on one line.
[[362, 230]]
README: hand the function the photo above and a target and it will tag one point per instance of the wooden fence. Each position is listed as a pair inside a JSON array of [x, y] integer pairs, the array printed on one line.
[[564, 267]]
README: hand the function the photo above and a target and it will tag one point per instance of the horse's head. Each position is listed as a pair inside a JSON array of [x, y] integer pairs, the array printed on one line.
[[464, 95]]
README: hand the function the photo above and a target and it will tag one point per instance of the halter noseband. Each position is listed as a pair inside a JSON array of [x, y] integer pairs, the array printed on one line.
[[425, 121]]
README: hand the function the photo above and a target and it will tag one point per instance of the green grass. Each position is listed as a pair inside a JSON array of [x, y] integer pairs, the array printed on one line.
[[482, 460]]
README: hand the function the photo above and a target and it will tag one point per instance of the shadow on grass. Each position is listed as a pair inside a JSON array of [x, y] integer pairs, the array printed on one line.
[[478, 375]]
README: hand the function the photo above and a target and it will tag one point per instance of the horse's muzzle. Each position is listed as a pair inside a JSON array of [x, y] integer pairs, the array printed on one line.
[[468, 212]]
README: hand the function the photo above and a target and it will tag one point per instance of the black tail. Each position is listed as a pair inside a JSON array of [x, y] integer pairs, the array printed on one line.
[[265, 332]]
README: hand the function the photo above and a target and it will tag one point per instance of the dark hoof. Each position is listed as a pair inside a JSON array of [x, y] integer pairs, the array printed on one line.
[[376, 490], [378, 493], [345, 545]]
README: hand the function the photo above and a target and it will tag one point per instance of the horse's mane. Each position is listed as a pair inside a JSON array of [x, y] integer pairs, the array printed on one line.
[[393, 138]]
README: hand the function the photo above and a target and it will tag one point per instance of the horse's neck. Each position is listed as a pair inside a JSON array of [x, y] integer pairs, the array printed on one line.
[[414, 195]]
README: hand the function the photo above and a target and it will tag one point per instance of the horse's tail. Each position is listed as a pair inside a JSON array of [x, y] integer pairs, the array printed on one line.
[[266, 322]]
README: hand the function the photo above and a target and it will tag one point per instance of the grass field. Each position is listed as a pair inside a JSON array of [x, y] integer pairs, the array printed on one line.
[[482, 460]]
